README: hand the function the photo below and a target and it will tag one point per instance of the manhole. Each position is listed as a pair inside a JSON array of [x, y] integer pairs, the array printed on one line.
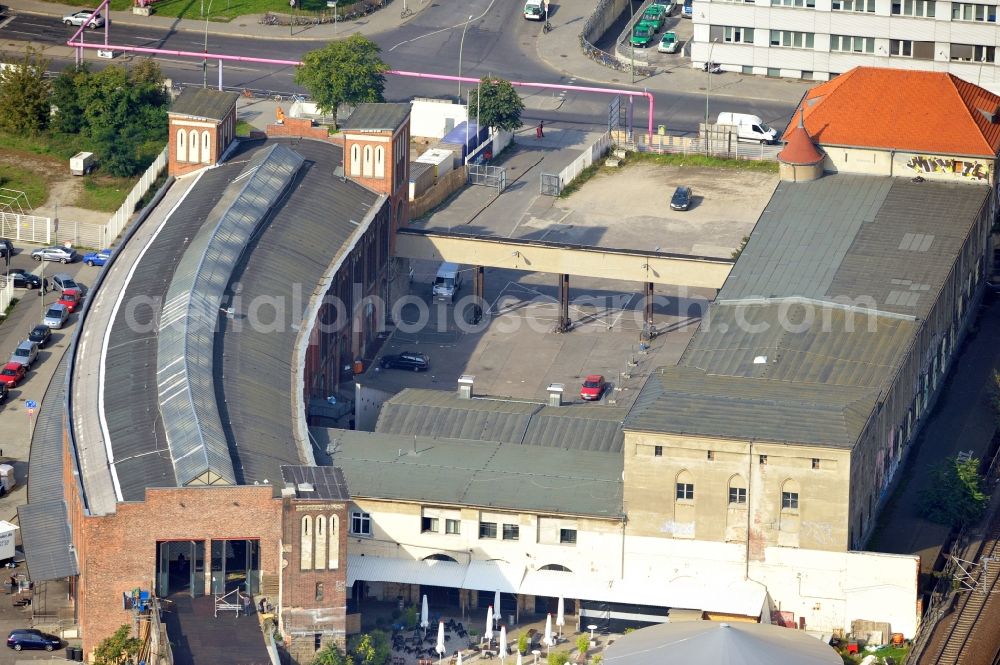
[[563, 55]]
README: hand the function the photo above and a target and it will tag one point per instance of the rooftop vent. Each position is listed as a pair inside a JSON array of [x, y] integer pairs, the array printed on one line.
[[465, 386], [306, 487], [555, 394]]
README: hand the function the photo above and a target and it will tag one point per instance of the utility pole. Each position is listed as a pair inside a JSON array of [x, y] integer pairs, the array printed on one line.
[[461, 45], [708, 87]]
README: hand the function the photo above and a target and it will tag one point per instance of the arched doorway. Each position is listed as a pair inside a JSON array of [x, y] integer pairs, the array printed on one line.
[[440, 598], [550, 605]]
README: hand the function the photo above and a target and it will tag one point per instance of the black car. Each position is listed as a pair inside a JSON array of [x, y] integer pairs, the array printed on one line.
[[22, 279], [6, 246], [411, 360], [40, 335], [4, 392], [681, 199], [29, 638]]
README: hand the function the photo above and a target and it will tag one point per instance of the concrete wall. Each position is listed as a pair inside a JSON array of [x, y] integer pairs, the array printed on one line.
[[949, 168], [715, 465], [367, 402]]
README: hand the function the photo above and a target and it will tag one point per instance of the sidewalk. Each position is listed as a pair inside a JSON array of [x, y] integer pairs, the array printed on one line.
[[559, 49]]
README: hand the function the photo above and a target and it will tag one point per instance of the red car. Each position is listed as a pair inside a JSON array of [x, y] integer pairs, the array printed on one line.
[[12, 374], [593, 387], [70, 298]]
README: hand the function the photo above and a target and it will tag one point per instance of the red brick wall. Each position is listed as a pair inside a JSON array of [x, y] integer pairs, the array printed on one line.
[[118, 552], [221, 136], [298, 127]]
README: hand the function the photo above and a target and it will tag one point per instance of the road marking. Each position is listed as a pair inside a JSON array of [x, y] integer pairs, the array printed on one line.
[[435, 32]]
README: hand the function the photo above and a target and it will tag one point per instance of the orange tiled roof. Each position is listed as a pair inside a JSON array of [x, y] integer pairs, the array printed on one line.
[[917, 111], [799, 147]]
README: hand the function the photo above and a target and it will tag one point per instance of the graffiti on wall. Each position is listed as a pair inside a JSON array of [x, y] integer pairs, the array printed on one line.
[[966, 169]]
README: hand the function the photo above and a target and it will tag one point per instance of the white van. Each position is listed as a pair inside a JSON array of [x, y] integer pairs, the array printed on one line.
[[447, 283], [534, 10], [749, 127]]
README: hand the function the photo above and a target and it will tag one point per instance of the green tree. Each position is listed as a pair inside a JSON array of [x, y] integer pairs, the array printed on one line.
[[67, 90], [24, 96], [495, 103], [332, 655], [371, 648], [347, 71], [955, 495], [118, 648]]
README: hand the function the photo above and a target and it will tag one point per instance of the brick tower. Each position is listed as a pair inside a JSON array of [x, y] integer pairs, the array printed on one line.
[[202, 125]]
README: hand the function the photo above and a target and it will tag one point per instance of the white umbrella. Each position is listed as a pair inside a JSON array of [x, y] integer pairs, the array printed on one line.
[[424, 614], [561, 615], [519, 658], [440, 643], [497, 614], [548, 630], [489, 624], [459, 661], [503, 641]]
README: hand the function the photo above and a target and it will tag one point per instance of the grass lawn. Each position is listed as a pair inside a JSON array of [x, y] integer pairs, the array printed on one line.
[[33, 184], [221, 10], [701, 160], [55, 144], [104, 193], [243, 128]]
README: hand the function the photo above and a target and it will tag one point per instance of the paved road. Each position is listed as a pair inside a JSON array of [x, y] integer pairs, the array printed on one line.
[[498, 41]]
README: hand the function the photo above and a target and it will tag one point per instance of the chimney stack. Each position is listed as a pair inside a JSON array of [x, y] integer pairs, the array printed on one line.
[[555, 394], [465, 386]]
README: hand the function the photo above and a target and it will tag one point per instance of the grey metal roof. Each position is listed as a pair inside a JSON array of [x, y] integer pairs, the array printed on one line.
[[442, 414], [888, 240], [138, 441], [204, 103], [185, 350], [316, 482], [376, 117], [309, 231], [44, 520], [485, 474], [685, 400]]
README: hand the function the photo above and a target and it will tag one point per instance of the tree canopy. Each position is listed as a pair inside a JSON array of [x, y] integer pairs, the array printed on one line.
[[24, 96], [955, 495], [331, 655], [117, 648], [495, 103], [347, 71]]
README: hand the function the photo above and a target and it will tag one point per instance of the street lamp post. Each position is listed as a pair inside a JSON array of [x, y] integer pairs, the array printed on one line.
[[291, 18], [204, 62], [630, 40], [708, 88], [461, 45]]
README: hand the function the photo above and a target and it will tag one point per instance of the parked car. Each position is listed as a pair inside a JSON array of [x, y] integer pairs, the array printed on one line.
[[26, 353], [593, 387], [70, 298], [12, 374], [411, 360], [60, 254], [669, 43], [62, 282], [22, 279], [642, 35], [681, 200], [4, 392], [654, 16], [6, 248], [40, 335], [29, 638], [79, 18], [97, 258], [55, 316]]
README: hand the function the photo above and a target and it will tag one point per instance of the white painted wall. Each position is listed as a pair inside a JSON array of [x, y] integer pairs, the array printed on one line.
[[429, 117]]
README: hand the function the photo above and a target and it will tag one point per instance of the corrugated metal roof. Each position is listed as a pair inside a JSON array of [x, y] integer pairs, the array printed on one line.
[[376, 117], [405, 571], [45, 536], [442, 414], [684, 400], [204, 103], [186, 336], [309, 231], [316, 482], [477, 473]]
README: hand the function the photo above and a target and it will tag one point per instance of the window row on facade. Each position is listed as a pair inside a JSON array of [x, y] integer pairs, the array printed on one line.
[[902, 48], [491, 526], [368, 161], [958, 11], [194, 147], [815, 463], [684, 491]]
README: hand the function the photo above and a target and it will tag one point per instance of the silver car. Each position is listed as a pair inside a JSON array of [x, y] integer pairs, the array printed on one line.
[[79, 18], [60, 254], [25, 353], [55, 316], [61, 281]]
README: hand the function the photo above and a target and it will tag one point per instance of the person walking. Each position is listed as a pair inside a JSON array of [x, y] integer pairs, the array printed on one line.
[[246, 603], [540, 130]]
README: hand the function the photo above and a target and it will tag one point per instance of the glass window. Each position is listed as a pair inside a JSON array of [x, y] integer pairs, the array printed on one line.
[[901, 47], [487, 529], [791, 39], [361, 523], [737, 495], [452, 527], [319, 591], [657, 451], [567, 536], [961, 51], [511, 531], [428, 524], [815, 462], [685, 491], [790, 500]]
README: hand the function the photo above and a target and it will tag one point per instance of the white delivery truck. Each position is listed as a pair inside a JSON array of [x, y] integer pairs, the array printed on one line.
[[749, 127], [534, 10], [447, 282]]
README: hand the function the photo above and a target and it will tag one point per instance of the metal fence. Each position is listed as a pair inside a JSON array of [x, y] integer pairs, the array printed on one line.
[[118, 220], [26, 228]]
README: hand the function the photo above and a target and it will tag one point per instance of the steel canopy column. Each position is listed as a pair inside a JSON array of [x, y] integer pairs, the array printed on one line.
[[649, 306], [478, 287], [564, 322]]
